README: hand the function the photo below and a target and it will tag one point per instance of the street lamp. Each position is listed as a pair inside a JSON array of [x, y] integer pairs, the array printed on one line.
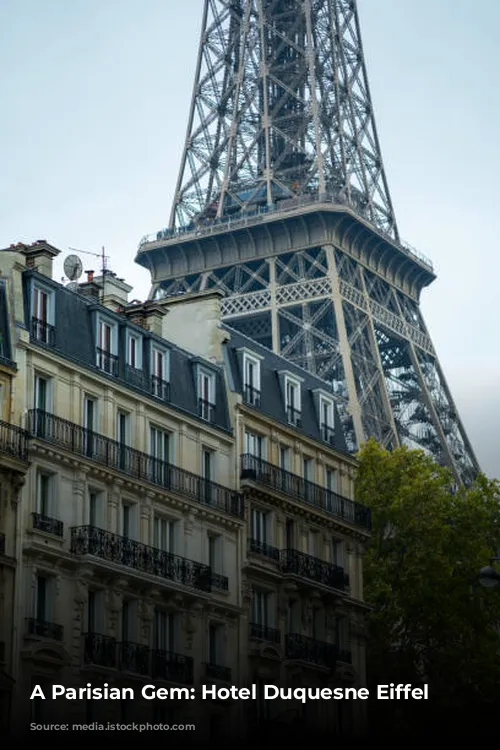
[[488, 576]]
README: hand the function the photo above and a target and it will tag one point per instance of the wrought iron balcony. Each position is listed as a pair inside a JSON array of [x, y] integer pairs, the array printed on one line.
[[264, 549], [134, 376], [44, 629], [167, 665], [251, 396], [300, 489], [219, 582], [160, 388], [299, 564], [133, 657], [89, 540], [47, 524], [13, 440], [264, 633], [42, 332], [99, 650], [217, 672], [328, 434], [294, 416], [134, 463], [2, 544], [206, 410], [300, 648], [107, 362]]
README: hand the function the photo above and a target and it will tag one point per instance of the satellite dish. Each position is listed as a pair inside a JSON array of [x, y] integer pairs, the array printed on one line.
[[73, 267], [72, 286]]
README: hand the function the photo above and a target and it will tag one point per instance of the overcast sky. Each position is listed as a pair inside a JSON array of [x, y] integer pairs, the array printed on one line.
[[95, 95]]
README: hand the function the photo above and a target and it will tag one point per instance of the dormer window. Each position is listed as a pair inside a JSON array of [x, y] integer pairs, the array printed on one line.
[[134, 352], [160, 380], [206, 395], [42, 316], [327, 420], [107, 346], [251, 380], [293, 401]]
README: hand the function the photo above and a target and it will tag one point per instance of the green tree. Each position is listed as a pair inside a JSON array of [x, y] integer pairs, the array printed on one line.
[[431, 621]]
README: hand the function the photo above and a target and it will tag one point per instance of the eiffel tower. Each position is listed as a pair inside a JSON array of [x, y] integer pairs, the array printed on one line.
[[282, 202]]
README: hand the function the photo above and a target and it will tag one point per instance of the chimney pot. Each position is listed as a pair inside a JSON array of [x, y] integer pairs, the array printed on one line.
[[90, 276]]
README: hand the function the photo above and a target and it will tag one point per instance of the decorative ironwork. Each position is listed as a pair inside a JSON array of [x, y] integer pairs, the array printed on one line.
[[42, 332], [251, 396], [133, 657], [89, 540], [293, 416], [328, 434], [134, 376], [167, 665], [306, 566], [99, 650], [300, 648], [294, 486], [265, 633], [47, 524], [206, 410], [219, 582], [160, 388], [44, 629], [13, 440], [264, 549], [107, 362], [134, 463], [217, 672]]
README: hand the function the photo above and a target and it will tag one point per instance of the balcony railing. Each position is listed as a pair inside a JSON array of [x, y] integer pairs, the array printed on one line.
[[13, 440], [167, 665], [300, 489], [107, 362], [218, 672], [44, 629], [89, 540], [134, 463], [99, 650], [264, 633], [328, 434], [42, 332], [160, 388], [264, 549], [251, 396], [294, 416], [134, 376], [300, 648], [47, 524], [2, 544], [219, 582], [299, 564], [133, 657], [206, 410]]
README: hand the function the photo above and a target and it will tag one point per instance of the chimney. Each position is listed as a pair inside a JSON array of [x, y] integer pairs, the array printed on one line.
[[149, 315], [193, 322], [90, 276], [40, 256], [114, 291]]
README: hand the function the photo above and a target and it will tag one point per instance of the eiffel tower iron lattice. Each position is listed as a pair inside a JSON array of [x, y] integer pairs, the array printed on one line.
[[282, 203]]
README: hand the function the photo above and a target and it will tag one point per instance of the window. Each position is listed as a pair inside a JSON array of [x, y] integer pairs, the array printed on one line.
[[107, 347], [326, 420], [314, 543], [318, 625], [215, 553], [44, 600], [261, 608], [206, 395], [215, 644], [90, 425], [284, 458], [164, 631], [134, 353], [159, 374], [43, 393], [159, 450], [292, 401], [122, 437], [129, 521], [207, 472], [129, 621], [293, 616], [95, 509], [338, 552], [95, 612], [164, 534], [45, 494], [342, 633], [253, 444], [260, 526], [43, 316], [307, 469], [290, 534], [251, 380], [331, 487]]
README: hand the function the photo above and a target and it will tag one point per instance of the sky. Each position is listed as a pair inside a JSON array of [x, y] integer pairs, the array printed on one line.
[[95, 97]]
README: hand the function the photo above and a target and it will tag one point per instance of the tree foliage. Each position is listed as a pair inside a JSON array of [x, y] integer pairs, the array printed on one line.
[[431, 621]]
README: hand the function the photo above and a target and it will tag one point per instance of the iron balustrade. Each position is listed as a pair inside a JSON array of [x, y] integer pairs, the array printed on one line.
[[294, 416], [328, 433], [160, 388], [264, 549], [42, 332], [306, 566], [90, 540], [167, 665], [47, 524], [99, 650], [298, 488], [134, 376], [218, 672], [44, 629], [265, 633], [251, 396], [107, 362], [2, 544], [133, 657], [13, 440], [206, 410], [301, 648], [134, 463], [219, 581]]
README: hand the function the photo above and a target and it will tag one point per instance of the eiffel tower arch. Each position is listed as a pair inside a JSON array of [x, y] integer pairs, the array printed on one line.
[[282, 202]]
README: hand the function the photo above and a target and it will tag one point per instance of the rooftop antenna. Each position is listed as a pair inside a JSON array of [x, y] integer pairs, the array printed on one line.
[[104, 263]]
